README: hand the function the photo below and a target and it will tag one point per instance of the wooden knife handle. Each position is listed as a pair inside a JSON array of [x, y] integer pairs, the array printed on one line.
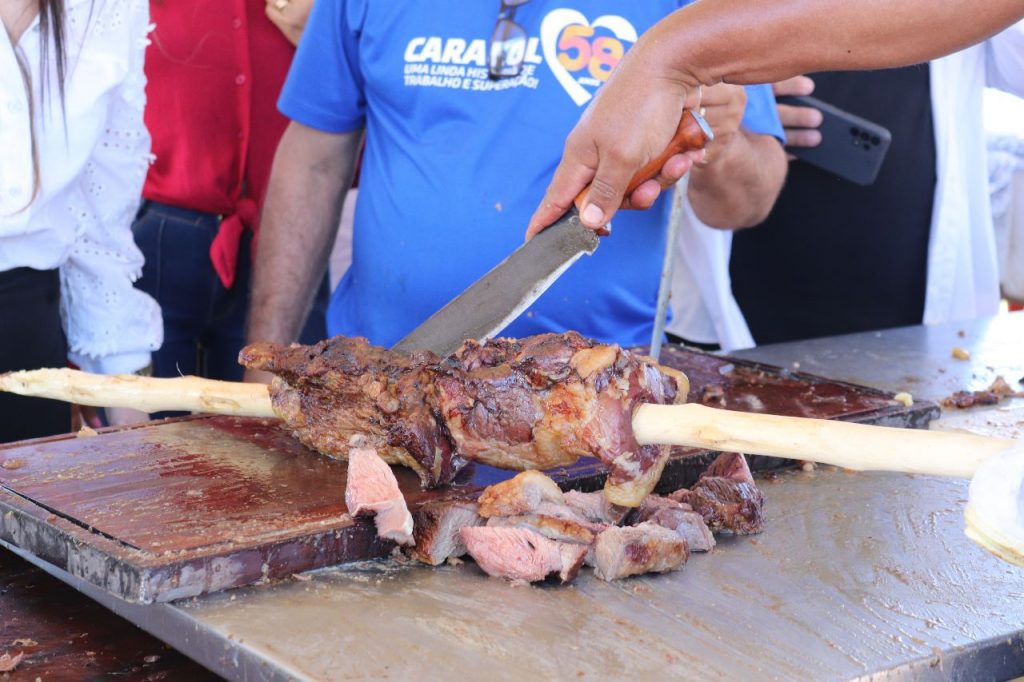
[[693, 134]]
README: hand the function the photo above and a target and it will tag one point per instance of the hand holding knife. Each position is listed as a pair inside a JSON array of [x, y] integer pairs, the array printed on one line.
[[688, 143], [497, 298]]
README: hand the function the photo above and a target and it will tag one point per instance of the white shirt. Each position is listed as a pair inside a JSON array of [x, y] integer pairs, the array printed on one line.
[[703, 307], [963, 273], [93, 157]]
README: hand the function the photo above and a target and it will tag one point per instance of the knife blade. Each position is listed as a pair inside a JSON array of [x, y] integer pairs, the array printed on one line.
[[504, 293], [508, 289]]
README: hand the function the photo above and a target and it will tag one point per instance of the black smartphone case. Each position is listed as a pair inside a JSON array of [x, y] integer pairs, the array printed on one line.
[[851, 147]]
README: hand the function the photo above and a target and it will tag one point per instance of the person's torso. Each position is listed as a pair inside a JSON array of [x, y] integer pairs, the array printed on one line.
[[214, 70], [39, 213], [455, 164], [835, 257]]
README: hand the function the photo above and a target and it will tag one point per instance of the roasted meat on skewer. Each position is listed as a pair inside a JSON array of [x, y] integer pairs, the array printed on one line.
[[533, 403]]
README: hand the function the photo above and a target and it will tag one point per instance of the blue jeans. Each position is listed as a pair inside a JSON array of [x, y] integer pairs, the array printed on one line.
[[204, 323]]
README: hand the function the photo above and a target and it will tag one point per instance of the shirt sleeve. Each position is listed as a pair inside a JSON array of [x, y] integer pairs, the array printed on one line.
[[761, 117], [1005, 60], [111, 326], [325, 87]]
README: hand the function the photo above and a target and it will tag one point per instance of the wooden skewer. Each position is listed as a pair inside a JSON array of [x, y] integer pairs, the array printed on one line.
[[851, 446], [148, 394], [995, 517]]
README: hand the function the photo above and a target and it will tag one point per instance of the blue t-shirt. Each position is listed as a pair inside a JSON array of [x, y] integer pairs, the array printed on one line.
[[455, 163]]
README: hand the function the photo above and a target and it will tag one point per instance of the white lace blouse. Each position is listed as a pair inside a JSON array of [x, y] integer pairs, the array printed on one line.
[[93, 156]]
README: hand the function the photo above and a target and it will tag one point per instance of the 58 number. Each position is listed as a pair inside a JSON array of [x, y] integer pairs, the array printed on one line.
[[599, 56]]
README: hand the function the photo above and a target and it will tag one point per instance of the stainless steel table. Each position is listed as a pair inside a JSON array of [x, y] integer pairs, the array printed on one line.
[[857, 576]]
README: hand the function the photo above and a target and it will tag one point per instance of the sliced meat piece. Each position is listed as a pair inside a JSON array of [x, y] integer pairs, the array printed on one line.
[[726, 497], [573, 557], [552, 527], [519, 495], [562, 511], [728, 506], [437, 525], [648, 548], [595, 507], [372, 490], [730, 465], [688, 524], [522, 554], [682, 496], [652, 504]]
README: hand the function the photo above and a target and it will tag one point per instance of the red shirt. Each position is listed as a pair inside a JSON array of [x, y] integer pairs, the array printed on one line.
[[214, 69]]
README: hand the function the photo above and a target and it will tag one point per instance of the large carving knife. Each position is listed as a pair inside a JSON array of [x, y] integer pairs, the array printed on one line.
[[500, 296]]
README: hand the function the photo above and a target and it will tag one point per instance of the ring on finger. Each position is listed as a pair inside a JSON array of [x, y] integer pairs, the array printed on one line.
[[279, 5]]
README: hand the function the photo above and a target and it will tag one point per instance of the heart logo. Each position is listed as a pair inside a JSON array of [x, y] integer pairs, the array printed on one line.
[[581, 53]]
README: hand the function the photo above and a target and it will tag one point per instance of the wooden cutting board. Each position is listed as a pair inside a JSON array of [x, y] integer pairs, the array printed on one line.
[[182, 507]]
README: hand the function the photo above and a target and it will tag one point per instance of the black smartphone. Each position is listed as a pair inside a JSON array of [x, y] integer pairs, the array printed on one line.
[[851, 147]]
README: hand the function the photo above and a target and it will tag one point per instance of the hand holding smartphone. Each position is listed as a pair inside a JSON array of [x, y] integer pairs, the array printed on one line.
[[842, 143]]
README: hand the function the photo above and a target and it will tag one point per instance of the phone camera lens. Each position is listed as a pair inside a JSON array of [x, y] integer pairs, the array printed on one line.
[[875, 140], [855, 131]]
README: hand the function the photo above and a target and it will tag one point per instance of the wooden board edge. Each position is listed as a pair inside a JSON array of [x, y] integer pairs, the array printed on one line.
[[138, 576]]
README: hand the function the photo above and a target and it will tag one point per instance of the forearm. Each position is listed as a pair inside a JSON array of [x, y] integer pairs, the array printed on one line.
[[311, 173], [750, 41], [740, 182]]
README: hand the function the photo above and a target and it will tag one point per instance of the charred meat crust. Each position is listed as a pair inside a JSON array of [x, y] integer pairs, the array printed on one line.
[[728, 505], [343, 387], [537, 402], [547, 400]]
